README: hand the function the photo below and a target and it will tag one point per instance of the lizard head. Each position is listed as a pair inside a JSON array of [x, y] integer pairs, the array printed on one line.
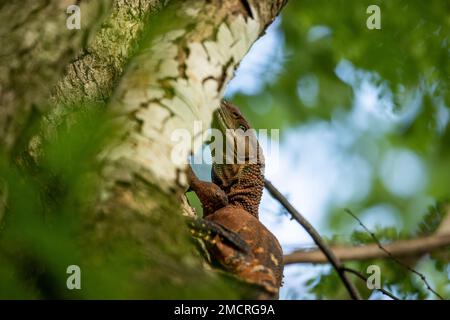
[[238, 166], [240, 144]]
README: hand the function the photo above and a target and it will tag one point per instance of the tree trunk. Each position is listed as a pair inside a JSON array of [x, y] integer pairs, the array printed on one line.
[[178, 64], [35, 47]]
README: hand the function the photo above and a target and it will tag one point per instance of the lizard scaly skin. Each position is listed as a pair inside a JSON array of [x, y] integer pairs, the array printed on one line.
[[231, 201]]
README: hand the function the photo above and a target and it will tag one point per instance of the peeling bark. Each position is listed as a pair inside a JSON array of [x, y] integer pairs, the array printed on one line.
[[35, 47], [179, 77]]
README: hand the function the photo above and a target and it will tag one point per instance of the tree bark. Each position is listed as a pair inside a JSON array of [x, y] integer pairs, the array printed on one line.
[[176, 78], [90, 78], [35, 47], [178, 64], [403, 248]]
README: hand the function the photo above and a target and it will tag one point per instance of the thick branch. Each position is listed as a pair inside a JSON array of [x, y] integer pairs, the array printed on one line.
[[327, 251], [91, 77], [399, 249]]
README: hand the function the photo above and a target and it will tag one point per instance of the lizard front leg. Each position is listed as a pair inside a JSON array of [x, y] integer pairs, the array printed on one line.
[[211, 196]]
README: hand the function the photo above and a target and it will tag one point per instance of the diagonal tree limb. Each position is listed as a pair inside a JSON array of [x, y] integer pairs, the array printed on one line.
[[336, 263]]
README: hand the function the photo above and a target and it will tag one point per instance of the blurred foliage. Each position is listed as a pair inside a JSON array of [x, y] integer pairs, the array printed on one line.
[[329, 59], [49, 224]]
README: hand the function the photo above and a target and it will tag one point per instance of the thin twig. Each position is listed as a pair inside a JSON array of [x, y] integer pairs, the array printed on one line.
[[336, 263], [374, 237], [364, 278]]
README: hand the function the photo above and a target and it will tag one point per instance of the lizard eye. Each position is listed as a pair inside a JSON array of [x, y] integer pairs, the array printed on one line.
[[242, 127]]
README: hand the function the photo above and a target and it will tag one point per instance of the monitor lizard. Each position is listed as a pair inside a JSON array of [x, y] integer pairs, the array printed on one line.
[[240, 243]]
